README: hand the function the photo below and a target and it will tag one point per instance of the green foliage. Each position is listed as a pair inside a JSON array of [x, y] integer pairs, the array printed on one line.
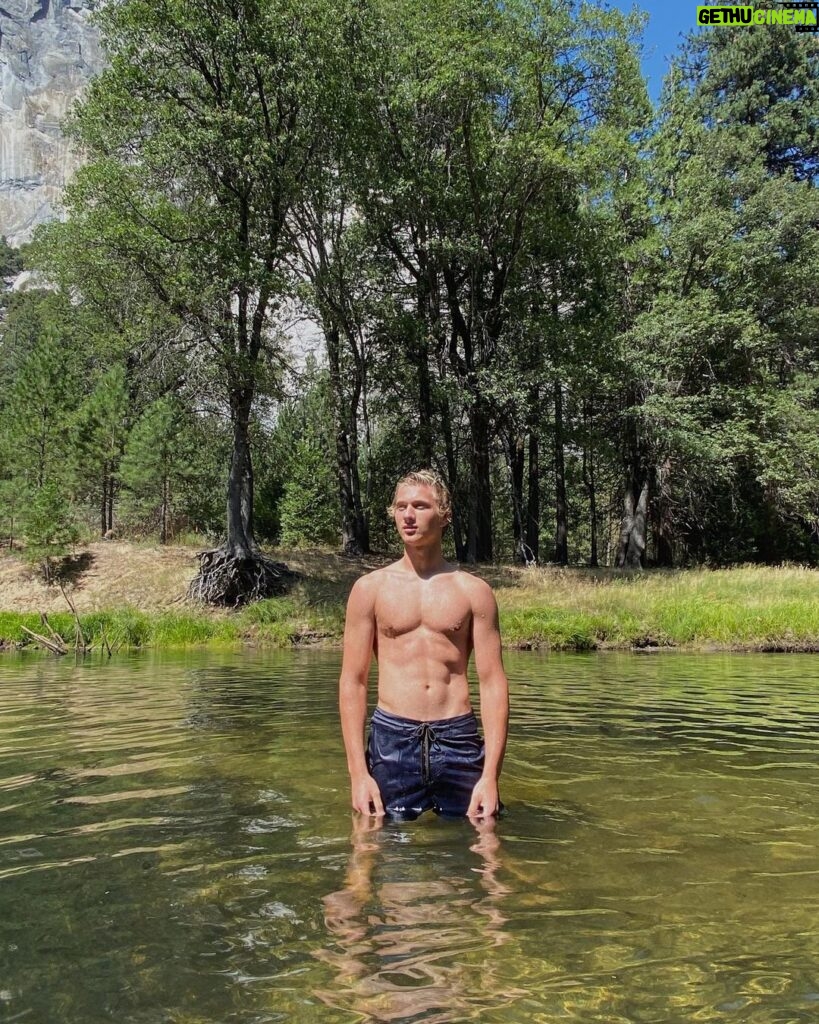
[[11, 504], [124, 628], [200, 498], [724, 349], [516, 279], [308, 509], [201, 136], [37, 411], [49, 526], [99, 430], [748, 607], [11, 262], [158, 460]]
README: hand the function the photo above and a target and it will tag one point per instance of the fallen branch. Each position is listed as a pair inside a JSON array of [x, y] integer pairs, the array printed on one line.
[[43, 642], [105, 639], [54, 636], [80, 646], [79, 641]]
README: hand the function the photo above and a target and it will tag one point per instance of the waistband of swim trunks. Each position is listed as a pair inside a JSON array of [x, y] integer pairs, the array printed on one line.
[[383, 717]]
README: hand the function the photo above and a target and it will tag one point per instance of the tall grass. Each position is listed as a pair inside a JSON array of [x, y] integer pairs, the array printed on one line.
[[750, 607], [123, 628]]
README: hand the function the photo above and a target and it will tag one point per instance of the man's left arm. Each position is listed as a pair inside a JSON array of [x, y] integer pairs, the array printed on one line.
[[494, 696]]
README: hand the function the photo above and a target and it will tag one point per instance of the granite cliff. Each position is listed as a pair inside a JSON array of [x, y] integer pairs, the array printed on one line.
[[48, 52]]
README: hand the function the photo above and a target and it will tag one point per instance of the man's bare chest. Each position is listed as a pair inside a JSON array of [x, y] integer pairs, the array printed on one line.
[[446, 612]]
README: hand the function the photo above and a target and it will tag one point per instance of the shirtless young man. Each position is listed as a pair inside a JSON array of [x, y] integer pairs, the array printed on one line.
[[423, 617]]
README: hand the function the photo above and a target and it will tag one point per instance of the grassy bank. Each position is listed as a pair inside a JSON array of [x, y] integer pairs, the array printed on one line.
[[275, 623], [132, 596], [746, 608]]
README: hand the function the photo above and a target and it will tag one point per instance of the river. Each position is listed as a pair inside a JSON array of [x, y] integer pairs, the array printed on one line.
[[176, 848]]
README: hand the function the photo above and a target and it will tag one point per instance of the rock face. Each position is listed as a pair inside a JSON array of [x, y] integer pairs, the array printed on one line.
[[48, 52]]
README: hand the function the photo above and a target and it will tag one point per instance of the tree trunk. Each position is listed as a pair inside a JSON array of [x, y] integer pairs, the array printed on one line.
[[354, 533], [350, 540], [163, 524], [368, 479], [591, 490], [360, 524], [452, 481], [361, 530], [561, 548], [632, 543], [660, 515], [588, 478], [110, 509], [517, 458], [633, 526], [238, 572], [479, 542], [241, 542], [104, 503], [533, 497], [420, 354]]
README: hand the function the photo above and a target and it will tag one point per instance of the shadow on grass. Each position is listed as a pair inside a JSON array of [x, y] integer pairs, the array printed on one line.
[[72, 568]]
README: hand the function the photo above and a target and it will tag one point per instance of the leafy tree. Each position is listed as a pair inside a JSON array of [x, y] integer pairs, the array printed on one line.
[[476, 117], [11, 504], [730, 329], [307, 516], [331, 253], [200, 135], [42, 378]]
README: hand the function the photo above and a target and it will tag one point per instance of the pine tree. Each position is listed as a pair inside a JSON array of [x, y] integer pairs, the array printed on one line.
[[98, 438], [158, 460], [309, 514], [37, 414], [308, 510], [49, 526]]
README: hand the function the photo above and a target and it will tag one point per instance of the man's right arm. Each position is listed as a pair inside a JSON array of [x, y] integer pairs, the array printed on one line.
[[359, 633]]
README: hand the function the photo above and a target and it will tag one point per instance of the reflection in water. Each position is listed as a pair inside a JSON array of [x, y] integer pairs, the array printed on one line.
[[415, 937]]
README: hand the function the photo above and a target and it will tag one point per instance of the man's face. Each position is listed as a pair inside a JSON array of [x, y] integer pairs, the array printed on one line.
[[416, 514]]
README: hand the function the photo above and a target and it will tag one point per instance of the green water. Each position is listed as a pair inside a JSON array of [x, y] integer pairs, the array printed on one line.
[[175, 846]]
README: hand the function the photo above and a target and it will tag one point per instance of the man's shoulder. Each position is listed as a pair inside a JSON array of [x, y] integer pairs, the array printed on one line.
[[471, 581], [478, 590], [372, 581]]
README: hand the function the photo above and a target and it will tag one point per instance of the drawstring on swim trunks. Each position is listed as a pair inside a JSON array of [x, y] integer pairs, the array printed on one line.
[[426, 734]]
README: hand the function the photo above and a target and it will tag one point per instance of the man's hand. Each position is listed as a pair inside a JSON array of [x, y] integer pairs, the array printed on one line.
[[366, 796], [485, 802]]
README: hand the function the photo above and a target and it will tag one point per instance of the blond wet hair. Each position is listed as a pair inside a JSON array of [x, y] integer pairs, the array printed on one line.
[[432, 480]]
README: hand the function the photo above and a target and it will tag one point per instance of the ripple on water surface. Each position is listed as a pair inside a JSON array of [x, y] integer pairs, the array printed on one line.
[[176, 847]]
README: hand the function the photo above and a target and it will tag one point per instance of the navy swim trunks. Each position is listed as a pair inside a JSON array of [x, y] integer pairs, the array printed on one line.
[[422, 766]]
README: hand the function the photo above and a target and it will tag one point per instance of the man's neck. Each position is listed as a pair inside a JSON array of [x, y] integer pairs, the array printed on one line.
[[424, 561]]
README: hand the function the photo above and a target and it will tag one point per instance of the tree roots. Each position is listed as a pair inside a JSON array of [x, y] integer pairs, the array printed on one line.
[[233, 580]]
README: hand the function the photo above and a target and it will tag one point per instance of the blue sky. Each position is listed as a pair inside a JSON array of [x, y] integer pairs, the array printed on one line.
[[667, 22]]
